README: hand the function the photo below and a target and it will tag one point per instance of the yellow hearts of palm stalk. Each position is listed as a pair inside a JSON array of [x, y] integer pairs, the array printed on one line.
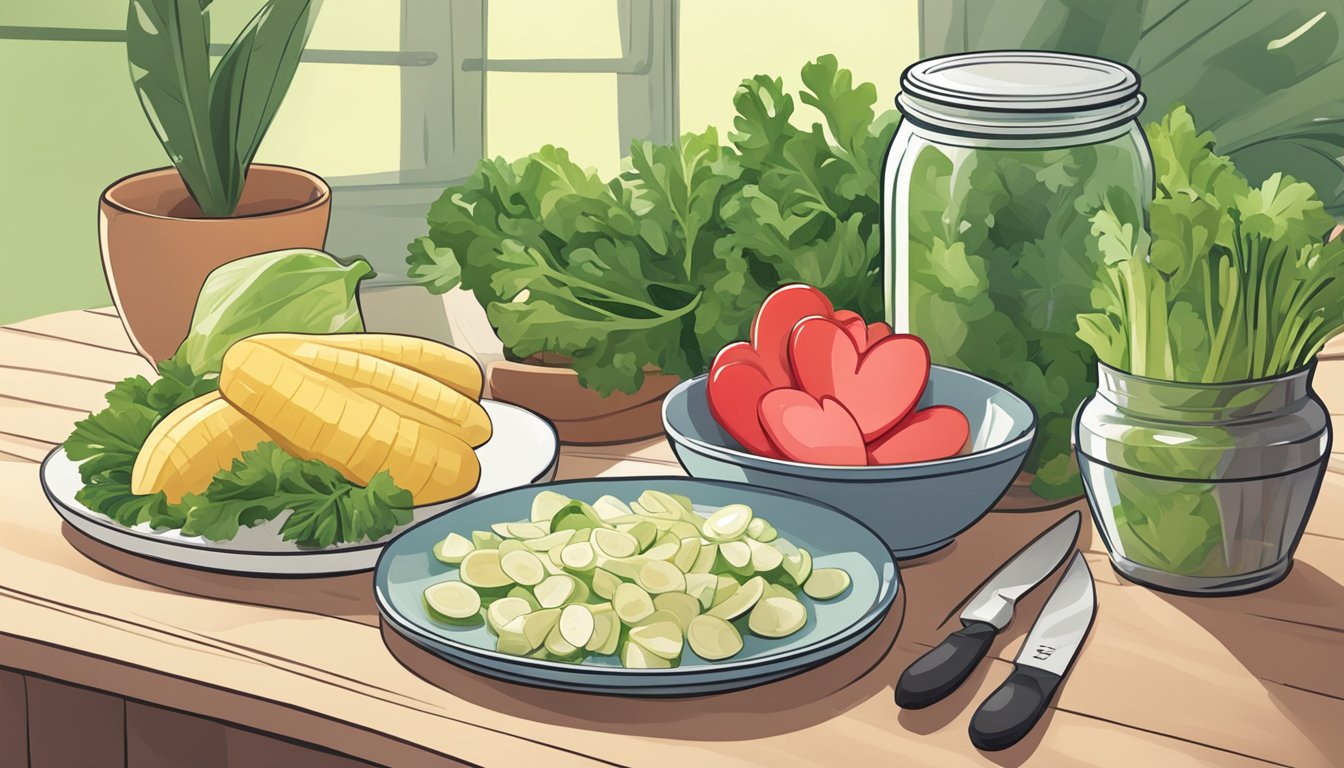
[[361, 403]]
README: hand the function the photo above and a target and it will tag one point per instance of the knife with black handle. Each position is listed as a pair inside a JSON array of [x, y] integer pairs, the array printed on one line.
[[940, 671], [1014, 708]]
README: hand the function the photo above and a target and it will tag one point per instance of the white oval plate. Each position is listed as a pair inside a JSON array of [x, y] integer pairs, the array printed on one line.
[[523, 450]]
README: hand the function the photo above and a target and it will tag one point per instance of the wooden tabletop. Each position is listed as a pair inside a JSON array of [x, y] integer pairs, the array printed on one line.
[[1161, 681]]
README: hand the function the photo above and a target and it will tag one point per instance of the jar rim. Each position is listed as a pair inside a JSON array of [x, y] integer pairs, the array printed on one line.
[[1019, 92]]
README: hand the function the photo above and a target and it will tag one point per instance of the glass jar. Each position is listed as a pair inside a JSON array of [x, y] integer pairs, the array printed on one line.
[[1202, 488], [990, 184]]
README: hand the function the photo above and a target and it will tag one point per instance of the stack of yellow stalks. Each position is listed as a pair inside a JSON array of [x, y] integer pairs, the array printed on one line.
[[361, 402]]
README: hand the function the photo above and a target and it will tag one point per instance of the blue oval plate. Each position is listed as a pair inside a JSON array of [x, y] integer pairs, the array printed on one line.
[[835, 540]]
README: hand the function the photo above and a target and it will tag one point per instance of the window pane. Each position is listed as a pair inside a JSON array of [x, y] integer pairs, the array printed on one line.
[[545, 29], [339, 120], [525, 110]]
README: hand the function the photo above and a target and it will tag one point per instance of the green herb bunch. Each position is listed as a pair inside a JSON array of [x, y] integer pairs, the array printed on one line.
[[1235, 282], [664, 264]]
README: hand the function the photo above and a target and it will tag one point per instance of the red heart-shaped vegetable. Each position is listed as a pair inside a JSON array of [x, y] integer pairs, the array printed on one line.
[[734, 392], [853, 324], [811, 431], [775, 320], [879, 386], [877, 332], [930, 434]]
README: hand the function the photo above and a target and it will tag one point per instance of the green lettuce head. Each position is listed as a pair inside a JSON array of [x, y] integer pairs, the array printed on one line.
[[291, 291]]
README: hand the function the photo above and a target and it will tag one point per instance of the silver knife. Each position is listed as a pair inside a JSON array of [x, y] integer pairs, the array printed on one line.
[[1012, 710], [937, 673]]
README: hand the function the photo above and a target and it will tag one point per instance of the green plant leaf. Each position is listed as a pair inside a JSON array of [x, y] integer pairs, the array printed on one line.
[[1263, 74], [168, 52], [324, 508], [251, 81]]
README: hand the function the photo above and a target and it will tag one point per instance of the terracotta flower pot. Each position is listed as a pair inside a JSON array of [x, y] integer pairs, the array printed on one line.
[[158, 248], [581, 416]]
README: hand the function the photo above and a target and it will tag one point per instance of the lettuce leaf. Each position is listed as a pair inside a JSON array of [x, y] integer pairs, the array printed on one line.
[[295, 290], [663, 265], [324, 508], [106, 443]]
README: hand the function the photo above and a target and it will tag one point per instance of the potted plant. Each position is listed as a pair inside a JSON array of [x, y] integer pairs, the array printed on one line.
[[1205, 446], [162, 231], [606, 293]]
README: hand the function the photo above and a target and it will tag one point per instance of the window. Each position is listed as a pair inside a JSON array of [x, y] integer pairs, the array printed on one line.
[[389, 106]]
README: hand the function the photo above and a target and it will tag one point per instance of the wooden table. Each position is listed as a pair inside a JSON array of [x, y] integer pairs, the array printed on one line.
[[115, 661]]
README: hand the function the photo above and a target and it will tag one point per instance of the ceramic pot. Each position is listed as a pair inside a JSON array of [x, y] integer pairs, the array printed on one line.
[[581, 416], [157, 247]]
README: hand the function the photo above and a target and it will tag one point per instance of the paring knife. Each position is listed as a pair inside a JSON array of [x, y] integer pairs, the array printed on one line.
[[937, 673], [1012, 710]]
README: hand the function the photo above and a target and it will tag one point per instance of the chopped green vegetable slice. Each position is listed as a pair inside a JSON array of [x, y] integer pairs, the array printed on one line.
[[523, 567], [505, 610], [604, 583], [452, 601], [481, 569], [631, 603], [658, 576], [763, 556], [545, 504], [555, 591], [713, 638], [777, 617], [576, 625], [452, 549], [636, 656], [614, 543], [737, 554], [681, 605], [826, 583], [740, 601], [659, 635], [728, 523]]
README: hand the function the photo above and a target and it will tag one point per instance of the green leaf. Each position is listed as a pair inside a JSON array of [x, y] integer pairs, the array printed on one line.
[[106, 443], [297, 290], [324, 508], [168, 52], [249, 83], [847, 109]]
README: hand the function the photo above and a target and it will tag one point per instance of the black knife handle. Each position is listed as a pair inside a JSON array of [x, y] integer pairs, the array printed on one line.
[[938, 672], [1012, 710]]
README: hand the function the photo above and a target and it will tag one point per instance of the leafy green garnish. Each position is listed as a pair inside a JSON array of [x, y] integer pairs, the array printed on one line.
[[324, 508], [106, 443], [1236, 282], [666, 263]]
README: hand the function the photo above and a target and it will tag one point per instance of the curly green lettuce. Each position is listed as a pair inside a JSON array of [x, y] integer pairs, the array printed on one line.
[[664, 264]]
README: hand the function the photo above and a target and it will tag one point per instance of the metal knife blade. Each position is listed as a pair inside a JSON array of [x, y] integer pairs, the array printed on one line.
[[993, 604], [939, 671], [1015, 707], [1055, 637]]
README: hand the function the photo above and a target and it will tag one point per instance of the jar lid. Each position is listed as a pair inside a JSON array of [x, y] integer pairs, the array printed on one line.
[[1017, 93]]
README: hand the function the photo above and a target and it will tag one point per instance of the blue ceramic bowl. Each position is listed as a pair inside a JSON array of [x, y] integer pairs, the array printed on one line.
[[915, 508]]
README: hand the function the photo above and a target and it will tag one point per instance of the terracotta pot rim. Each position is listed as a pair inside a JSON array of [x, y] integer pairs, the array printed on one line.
[[323, 198]]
